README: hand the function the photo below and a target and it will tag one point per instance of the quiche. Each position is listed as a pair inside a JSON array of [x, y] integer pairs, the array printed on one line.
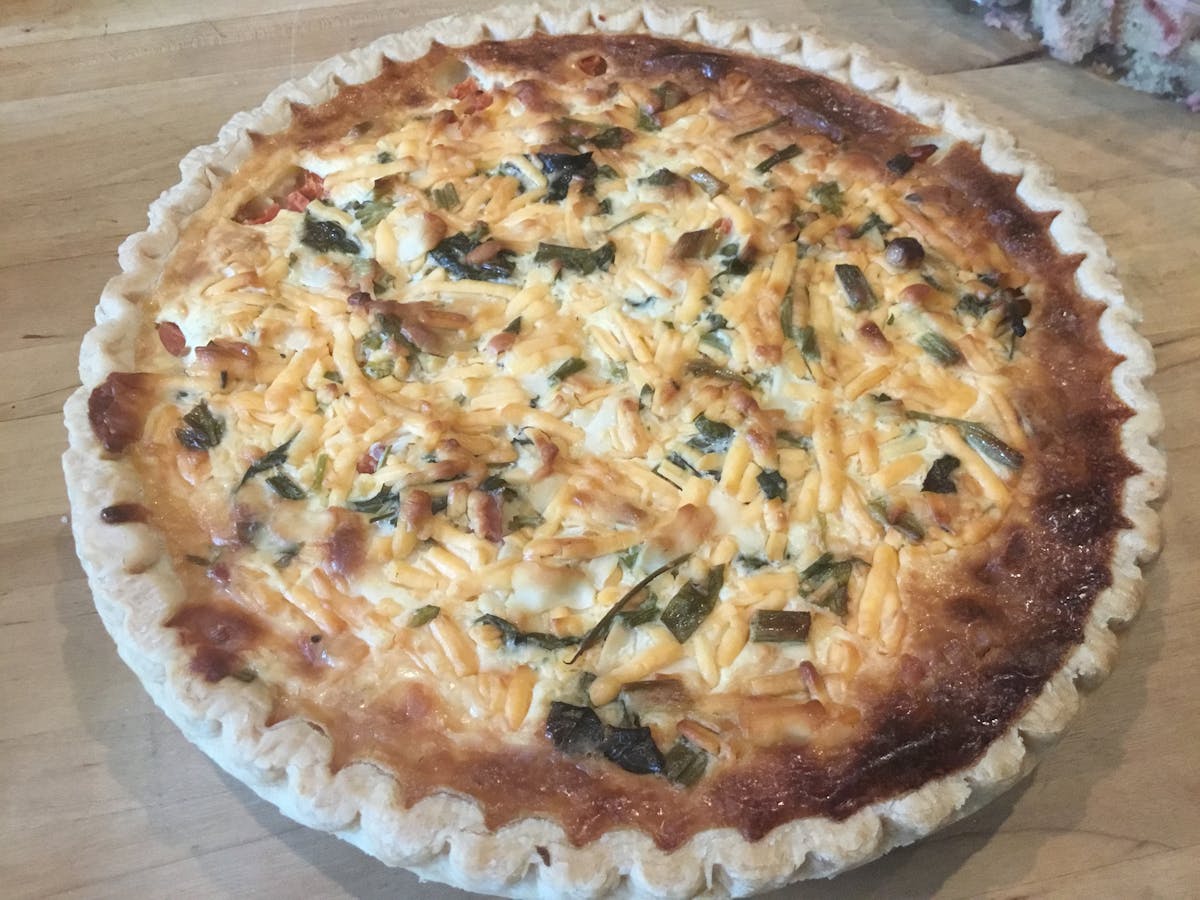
[[615, 452]]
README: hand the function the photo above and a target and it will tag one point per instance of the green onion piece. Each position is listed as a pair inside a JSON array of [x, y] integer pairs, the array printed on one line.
[[201, 430], [632, 218], [712, 437], [855, 286], [611, 138], [645, 396], [680, 463], [385, 502], [806, 338], [423, 616], [379, 368], [572, 366], [513, 327], [325, 236], [632, 618], [372, 212], [286, 488], [692, 605], [787, 315], [792, 439], [791, 151], [601, 628], [685, 763], [939, 348], [647, 121], [829, 195], [779, 626], [319, 471], [978, 437], [772, 484], [708, 182], [628, 557], [703, 367], [660, 178], [872, 223], [903, 521], [333, 375], [577, 259], [983, 441], [284, 559], [670, 94], [971, 305], [759, 129], [515, 637], [446, 197], [267, 461]]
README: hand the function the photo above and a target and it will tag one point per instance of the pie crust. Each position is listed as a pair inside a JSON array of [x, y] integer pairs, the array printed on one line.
[[443, 836]]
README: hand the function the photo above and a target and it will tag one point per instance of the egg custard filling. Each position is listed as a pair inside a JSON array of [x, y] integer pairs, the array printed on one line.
[[627, 434]]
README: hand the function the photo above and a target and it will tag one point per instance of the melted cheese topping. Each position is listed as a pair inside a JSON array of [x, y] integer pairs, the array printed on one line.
[[723, 365]]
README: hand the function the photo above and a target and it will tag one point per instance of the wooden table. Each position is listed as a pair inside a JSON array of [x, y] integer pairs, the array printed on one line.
[[102, 797]]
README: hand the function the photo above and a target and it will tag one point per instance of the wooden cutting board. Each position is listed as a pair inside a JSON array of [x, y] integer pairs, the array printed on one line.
[[102, 797]]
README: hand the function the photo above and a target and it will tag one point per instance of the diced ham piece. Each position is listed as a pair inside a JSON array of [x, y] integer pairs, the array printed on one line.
[[116, 410]]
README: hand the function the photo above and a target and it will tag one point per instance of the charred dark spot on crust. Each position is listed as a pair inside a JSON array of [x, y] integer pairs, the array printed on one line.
[[1079, 515], [120, 513], [116, 410], [710, 66]]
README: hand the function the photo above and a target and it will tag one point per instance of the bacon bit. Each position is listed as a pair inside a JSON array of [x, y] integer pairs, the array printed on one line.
[[346, 548], [419, 320], [916, 294], [761, 441], [235, 357], [700, 735], [921, 152], [310, 187], [296, 201], [812, 680], [369, 461], [532, 95], [417, 510], [874, 337], [172, 338], [483, 253], [435, 229], [115, 410], [547, 452], [443, 119], [768, 354], [486, 516], [312, 648], [120, 513], [743, 402], [219, 572], [267, 215], [500, 343], [470, 96], [593, 65], [218, 633], [464, 89]]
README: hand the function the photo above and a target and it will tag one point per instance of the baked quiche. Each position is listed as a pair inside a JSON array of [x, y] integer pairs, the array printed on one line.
[[616, 451]]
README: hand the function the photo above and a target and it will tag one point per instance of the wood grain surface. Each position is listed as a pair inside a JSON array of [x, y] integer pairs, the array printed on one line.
[[101, 797]]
